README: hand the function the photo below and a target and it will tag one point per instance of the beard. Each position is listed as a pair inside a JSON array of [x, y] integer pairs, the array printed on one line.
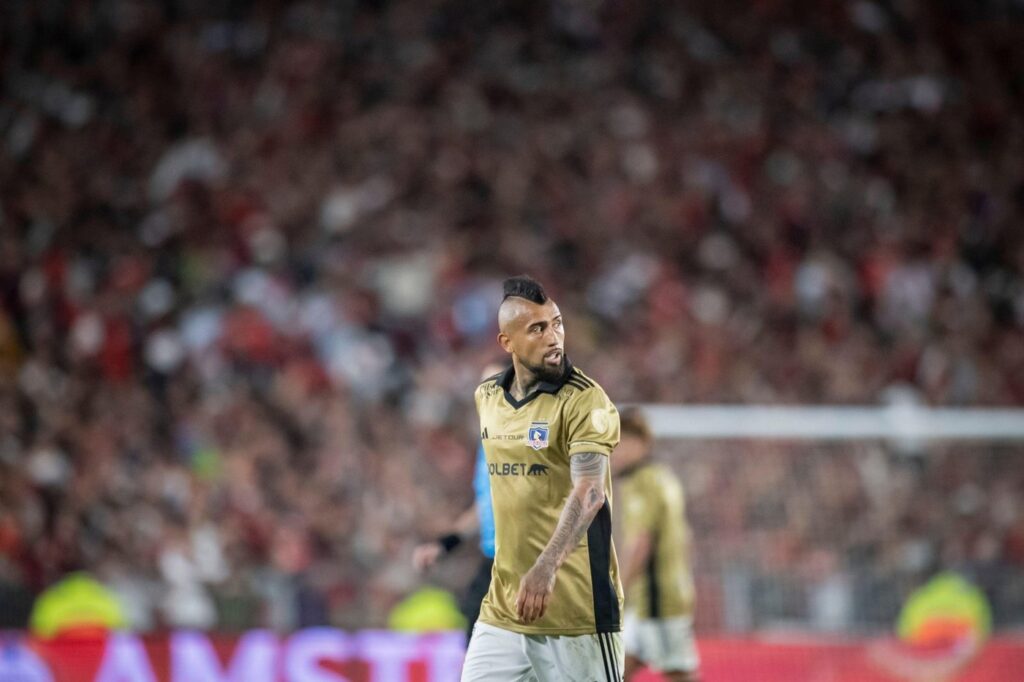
[[545, 372]]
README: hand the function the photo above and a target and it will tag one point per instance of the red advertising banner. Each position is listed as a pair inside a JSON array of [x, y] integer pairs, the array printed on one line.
[[733, 660], [328, 655]]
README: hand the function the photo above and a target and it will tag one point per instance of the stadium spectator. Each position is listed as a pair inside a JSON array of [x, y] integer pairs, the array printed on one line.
[[250, 254]]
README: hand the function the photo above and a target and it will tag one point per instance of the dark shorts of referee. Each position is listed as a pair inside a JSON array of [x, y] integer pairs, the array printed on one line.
[[475, 593]]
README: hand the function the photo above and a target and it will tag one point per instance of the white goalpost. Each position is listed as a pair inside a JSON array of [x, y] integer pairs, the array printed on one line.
[[900, 421]]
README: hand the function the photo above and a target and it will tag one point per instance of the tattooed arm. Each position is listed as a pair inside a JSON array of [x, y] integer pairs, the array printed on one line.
[[587, 496]]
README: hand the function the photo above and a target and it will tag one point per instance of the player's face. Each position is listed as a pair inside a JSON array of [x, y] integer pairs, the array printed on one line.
[[537, 340], [630, 450]]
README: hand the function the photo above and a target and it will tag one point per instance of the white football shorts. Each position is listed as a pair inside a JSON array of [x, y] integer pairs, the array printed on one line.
[[497, 655], [664, 644]]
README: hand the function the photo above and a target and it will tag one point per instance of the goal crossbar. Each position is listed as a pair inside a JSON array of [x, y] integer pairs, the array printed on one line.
[[713, 422]]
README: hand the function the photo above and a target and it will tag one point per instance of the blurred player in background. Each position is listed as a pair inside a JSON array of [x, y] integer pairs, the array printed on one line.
[[658, 625], [547, 431], [478, 518]]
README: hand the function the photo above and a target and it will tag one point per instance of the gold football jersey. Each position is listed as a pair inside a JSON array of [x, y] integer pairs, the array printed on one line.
[[527, 444], [651, 500]]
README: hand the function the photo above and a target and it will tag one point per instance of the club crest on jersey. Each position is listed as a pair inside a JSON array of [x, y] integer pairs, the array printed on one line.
[[537, 436]]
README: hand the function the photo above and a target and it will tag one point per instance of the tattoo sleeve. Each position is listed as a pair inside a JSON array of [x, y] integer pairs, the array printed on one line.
[[587, 496], [588, 465]]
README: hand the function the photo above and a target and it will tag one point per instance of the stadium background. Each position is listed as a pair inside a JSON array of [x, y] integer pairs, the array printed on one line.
[[250, 254]]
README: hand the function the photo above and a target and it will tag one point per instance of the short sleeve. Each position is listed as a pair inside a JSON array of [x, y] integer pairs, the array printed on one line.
[[592, 423], [479, 395]]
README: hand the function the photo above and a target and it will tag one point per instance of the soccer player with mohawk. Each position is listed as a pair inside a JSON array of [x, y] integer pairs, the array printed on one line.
[[553, 611]]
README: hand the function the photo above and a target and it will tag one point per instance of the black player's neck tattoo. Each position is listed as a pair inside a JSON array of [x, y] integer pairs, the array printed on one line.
[[524, 383], [528, 379]]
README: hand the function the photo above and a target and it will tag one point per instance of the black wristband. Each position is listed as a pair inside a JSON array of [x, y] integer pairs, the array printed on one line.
[[449, 542]]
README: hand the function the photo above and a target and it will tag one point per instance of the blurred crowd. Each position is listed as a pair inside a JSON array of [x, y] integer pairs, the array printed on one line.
[[251, 252], [835, 537]]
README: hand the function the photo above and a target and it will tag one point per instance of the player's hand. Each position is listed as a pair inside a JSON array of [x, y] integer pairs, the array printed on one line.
[[426, 555], [534, 593]]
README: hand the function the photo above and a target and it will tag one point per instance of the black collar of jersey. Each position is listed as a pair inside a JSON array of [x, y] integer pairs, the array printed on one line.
[[506, 377], [634, 468]]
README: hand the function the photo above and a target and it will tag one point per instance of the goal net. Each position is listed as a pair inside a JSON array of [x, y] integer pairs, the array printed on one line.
[[825, 519]]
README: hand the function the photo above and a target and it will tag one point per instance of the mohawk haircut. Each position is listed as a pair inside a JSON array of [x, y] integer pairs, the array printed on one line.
[[526, 287]]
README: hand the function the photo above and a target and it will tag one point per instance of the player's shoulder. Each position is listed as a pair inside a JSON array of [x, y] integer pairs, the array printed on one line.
[[661, 471], [582, 383], [489, 387], [583, 395], [662, 478], [648, 474]]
